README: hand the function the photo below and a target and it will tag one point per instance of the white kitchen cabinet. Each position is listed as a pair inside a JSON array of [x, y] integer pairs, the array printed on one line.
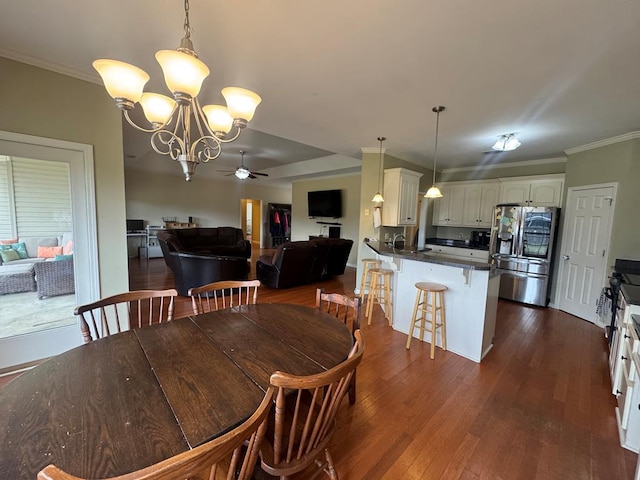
[[540, 190], [626, 387], [448, 209], [479, 202], [400, 194]]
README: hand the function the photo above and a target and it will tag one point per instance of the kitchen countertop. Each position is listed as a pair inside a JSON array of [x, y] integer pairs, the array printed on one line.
[[425, 256], [446, 242], [631, 293]]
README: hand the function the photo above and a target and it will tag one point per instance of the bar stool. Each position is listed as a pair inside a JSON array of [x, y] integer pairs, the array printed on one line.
[[380, 293], [367, 264], [429, 302]]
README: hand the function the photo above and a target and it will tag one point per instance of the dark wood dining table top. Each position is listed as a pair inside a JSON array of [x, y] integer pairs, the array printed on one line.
[[129, 400]]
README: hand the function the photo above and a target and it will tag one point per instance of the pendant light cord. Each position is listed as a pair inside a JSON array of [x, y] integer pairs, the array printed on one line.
[[437, 111], [380, 139]]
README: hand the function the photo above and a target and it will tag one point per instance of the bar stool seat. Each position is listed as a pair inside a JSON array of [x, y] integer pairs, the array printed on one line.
[[431, 317], [365, 281], [380, 293]]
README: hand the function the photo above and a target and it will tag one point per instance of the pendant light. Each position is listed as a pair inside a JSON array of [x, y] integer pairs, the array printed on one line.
[[434, 192], [378, 196]]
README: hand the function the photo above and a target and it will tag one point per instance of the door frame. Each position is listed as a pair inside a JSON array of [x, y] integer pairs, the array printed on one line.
[[565, 234], [29, 348]]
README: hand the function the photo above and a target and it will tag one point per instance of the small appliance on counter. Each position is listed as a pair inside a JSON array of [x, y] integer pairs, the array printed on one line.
[[480, 238]]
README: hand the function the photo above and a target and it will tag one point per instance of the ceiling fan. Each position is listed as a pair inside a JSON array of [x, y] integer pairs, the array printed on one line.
[[243, 172]]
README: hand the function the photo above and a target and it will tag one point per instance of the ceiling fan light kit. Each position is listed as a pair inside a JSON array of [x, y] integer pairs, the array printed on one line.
[[172, 119], [434, 191], [506, 143], [243, 172]]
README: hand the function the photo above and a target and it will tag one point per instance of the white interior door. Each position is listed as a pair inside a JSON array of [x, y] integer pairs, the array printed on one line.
[[585, 246], [25, 348]]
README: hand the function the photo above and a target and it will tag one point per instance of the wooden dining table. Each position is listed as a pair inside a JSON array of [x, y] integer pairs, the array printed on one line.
[[129, 400]]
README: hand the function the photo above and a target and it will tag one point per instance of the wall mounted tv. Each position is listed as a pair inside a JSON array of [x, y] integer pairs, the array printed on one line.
[[325, 203]]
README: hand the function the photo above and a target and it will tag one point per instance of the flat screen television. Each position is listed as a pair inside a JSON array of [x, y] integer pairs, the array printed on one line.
[[325, 203]]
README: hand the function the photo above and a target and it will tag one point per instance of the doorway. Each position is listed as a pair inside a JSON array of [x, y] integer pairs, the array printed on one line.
[[73, 164], [251, 221], [584, 249]]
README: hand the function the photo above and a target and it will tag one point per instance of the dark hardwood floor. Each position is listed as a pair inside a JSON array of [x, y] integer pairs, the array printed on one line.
[[539, 406]]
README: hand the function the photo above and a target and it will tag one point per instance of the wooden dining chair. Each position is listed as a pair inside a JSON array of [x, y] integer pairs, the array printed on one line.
[[223, 294], [305, 418], [347, 310], [125, 310], [344, 308], [235, 451]]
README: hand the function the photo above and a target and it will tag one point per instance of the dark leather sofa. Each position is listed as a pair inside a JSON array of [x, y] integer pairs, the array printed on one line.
[[298, 263], [227, 241], [195, 263]]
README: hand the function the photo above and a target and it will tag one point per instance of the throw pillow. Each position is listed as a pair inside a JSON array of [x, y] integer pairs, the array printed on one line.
[[9, 255], [8, 242], [21, 248], [62, 257], [49, 252], [68, 248]]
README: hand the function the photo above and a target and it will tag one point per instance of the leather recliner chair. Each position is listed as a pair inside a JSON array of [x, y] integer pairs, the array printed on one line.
[[194, 270]]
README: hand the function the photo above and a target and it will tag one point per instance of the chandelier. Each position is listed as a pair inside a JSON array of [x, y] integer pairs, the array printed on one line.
[[434, 192], [174, 120], [506, 143]]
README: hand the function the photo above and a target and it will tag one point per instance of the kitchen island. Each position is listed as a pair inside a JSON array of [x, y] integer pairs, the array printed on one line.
[[471, 300]]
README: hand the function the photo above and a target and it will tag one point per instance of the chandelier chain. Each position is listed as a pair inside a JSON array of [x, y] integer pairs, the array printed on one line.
[[187, 28]]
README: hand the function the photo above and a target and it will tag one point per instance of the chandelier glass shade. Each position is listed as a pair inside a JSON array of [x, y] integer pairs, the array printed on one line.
[[179, 126], [506, 143], [378, 198], [434, 191]]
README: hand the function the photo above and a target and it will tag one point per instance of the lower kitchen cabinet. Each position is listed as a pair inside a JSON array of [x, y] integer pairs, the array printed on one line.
[[625, 364]]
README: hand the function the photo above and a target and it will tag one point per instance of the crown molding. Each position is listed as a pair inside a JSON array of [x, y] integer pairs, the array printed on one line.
[[54, 67], [603, 143], [526, 163]]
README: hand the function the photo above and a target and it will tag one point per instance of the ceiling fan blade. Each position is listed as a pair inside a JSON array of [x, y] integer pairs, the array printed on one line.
[[251, 175], [225, 171], [262, 174], [229, 174]]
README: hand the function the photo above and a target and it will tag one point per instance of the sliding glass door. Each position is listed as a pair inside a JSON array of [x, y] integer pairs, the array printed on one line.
[[47, 220]]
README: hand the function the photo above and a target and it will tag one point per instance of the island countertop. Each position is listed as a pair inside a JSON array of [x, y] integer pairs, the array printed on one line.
[[425, 256]]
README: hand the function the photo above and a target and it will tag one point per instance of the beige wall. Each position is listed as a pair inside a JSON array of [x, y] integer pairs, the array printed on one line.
[[620, 163], [302, 226], [46, 104], [212, 203], [513, 171]]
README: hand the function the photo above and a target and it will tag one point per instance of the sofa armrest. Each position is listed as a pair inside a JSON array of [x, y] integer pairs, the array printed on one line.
[[266, 272], [54, 278]]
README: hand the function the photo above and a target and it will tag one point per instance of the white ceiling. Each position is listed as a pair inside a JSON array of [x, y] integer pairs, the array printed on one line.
[[334, 75]]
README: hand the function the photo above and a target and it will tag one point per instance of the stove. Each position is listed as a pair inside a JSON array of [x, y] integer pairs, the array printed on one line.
[[625, 272]]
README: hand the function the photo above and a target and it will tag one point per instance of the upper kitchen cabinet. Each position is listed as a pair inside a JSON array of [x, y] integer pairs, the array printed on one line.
[[448, 210], [540, 190], [479, 201], [400, 193]]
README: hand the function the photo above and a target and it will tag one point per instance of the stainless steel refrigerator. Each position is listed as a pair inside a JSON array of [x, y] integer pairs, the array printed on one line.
[[522, 243]]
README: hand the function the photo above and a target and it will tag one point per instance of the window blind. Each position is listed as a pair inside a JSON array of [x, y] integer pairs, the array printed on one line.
[[42, 197]]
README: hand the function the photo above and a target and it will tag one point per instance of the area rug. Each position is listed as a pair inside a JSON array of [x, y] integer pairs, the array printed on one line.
[[22, 313]]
